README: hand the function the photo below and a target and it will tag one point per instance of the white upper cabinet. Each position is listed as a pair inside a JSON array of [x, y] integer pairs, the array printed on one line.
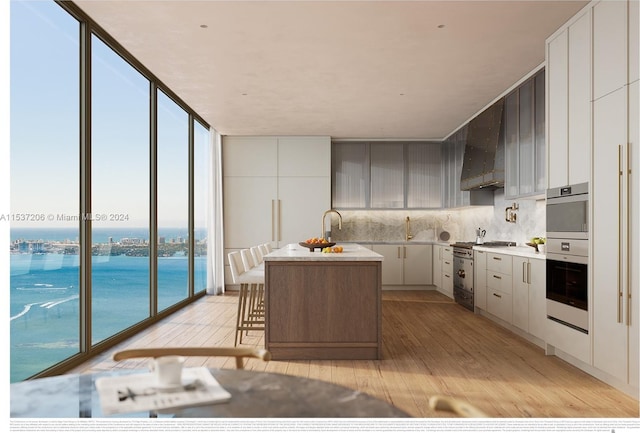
[[304, 156], [634, 41], [579, 115], [275, 189], [610, 55], [569, 103], [558, 107], [250, 156]]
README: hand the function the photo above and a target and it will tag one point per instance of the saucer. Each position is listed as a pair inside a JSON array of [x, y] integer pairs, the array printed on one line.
[[184, 386]]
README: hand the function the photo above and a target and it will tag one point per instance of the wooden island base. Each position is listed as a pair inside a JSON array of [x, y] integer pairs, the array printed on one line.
[[323, 309]]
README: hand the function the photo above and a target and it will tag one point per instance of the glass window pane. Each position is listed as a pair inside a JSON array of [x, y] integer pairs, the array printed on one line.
[[119, 193], [173, 202], [387, 175], [201, 164], [44, 149]]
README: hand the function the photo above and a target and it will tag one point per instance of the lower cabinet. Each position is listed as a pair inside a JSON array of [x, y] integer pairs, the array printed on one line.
[[480, 279], [406, 264], [443, 269], [529, 306], [437, 265], [499, 290], [513, 289]]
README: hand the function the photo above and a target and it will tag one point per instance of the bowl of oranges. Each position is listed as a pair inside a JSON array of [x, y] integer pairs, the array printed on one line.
[[316, 243]]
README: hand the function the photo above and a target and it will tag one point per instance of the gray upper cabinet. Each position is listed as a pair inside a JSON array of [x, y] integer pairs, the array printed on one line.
[[386, 175], [525, 139], [424, 175], [349, 175]]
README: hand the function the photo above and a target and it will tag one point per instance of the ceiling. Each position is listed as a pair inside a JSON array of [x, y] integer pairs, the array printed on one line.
[[348, 69]]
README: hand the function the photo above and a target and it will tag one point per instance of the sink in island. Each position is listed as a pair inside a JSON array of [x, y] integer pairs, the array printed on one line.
[[323, 305]]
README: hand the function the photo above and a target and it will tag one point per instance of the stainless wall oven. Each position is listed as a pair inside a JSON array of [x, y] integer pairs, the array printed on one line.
[[568, 256], [568, 212], [567, 282]]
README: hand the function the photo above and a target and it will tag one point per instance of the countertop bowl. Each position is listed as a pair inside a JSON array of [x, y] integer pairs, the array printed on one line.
[[312, 247]]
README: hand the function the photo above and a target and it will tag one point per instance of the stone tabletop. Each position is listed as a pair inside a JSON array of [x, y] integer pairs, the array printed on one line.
[[254, 395]]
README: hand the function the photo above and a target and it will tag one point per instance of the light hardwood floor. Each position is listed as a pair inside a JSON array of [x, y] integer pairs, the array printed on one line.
[[430, 346]]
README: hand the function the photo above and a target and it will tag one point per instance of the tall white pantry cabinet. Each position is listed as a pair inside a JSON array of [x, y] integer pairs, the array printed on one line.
[[275, 189], [606, 34]]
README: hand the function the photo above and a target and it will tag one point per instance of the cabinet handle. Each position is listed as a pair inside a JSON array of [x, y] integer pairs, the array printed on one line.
[[619, 282], [628, 258], [529, 273], [524, 272], [273, 220], [497, 258], [497, 296], [405, 252], [279, 220], [398, 252], [447, 263], [497, 277]]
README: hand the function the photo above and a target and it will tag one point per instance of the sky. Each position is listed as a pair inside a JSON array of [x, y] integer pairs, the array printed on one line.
[[44, 139]]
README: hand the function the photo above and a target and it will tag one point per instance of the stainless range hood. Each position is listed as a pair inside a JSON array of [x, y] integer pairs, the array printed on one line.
[[483, 165]]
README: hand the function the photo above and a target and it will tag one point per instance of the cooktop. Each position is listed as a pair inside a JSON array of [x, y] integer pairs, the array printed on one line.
[[469, 245]]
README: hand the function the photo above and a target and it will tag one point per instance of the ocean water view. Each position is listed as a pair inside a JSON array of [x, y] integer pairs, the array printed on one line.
[[44, 293]]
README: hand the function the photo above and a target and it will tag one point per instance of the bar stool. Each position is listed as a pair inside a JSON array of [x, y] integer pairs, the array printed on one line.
[[257, 255], [247, 319], [256, 297]]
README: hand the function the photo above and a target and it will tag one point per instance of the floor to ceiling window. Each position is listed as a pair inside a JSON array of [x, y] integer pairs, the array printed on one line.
[[44, 273], [201, 203], [78, 279], [119, 178], [173, 202]]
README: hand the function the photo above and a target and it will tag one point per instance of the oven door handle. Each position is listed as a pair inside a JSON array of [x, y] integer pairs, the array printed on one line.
[[567, 258]]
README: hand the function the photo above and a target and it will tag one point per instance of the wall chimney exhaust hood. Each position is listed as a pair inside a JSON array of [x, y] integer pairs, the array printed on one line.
[[483, 165]]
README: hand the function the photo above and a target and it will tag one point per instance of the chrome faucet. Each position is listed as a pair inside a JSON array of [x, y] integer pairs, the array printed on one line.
[[407, 230], [322, 233]]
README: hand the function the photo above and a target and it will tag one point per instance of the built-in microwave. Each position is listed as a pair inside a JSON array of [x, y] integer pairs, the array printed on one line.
[[568, 212]]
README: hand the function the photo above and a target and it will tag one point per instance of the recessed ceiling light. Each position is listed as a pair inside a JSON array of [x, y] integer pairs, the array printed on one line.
[[402, 94], [244, 94], [441, 26], [203, 26]]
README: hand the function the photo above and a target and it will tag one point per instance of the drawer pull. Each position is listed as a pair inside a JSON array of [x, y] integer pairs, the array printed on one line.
[[497, 277], [497, 296], [447, 263], [497, 258]]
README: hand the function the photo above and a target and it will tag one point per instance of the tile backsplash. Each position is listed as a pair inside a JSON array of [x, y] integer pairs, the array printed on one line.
[[432, 225]]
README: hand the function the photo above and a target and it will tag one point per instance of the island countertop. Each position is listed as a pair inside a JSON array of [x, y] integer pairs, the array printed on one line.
[[352, 252]]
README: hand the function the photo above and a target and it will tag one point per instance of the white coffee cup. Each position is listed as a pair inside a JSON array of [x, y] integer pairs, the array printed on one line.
[[168, 371]]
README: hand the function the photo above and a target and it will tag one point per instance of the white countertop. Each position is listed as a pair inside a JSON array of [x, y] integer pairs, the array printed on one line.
[[522, 251], [352, 252]]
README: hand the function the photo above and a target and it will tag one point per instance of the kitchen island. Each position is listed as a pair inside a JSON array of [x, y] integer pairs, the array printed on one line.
[[323, 305]]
